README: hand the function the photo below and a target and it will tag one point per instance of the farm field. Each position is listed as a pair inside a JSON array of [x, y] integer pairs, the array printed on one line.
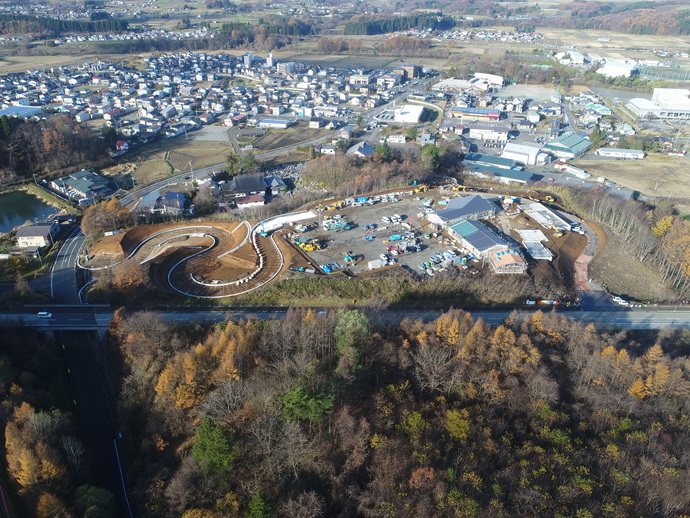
[[618, 46], [276, 139], [13, 64], [152, 171], [178, 152], [657, 175]]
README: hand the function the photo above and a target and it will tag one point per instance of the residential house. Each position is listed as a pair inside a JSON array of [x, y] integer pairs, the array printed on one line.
[[361, 149], [37, 235]]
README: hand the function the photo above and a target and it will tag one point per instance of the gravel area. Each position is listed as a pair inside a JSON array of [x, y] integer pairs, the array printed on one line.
[[339, 244]]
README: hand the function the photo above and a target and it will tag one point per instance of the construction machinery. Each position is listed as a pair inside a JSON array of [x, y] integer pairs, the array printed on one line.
[[550, 199], [309, 245]]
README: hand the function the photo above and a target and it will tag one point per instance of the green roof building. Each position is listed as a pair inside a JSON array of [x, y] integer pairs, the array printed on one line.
[[568, 146]]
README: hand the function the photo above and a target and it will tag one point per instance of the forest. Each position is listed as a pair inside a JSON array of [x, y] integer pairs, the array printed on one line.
[[22, 24], [47, 460], [29, 146], [654, 236], [382, 25], [340, 414]]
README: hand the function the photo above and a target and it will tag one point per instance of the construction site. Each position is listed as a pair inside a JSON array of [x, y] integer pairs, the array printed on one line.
[[369, 235]]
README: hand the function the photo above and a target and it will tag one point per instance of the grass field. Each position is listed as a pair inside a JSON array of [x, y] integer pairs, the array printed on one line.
[[276, 139], [657, 175], [152, 171]]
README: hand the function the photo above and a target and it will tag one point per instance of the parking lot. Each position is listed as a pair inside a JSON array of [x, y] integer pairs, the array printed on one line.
[[365, 244]]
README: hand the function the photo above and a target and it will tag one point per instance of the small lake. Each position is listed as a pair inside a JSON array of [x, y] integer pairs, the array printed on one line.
[[17, 207]]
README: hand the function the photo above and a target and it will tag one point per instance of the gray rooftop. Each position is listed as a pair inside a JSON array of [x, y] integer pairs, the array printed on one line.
[[467, 207]]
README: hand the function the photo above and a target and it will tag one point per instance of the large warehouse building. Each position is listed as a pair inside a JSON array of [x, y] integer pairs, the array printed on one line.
[[666, 103], [524, 154], [624, 154], [568, 146], [409, 113]]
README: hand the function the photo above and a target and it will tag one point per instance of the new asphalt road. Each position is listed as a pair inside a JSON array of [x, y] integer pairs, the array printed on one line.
[[63, 276], [92, 317]]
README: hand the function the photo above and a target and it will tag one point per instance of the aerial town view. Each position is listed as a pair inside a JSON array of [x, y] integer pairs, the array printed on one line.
[[348, 259]]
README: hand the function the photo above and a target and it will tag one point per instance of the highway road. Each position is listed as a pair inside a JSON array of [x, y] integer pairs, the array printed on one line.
[[96, 406], [92, 317], [63, 275]]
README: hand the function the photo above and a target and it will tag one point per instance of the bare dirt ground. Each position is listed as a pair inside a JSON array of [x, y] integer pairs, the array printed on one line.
[[626, 276], [536, 92], [566, 249], [657, 175], [276, 139]]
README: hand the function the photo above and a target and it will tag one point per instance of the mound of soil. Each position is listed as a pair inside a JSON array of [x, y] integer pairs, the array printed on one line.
[[109, 245]]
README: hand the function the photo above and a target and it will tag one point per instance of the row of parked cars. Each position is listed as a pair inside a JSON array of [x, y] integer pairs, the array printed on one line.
[[395, 218]]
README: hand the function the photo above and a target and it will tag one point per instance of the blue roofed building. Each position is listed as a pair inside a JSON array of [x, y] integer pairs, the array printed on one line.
[[478, 239], [491, 161], [506, 176], [24, 112]]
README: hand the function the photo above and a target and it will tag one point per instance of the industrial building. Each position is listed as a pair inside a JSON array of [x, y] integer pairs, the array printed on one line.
[[25, 112], [490, 161], [466, 207], [568, 146], [625, 154], [524, 154], [409, 113], [666, 103], [615, 68], [489, 132], [502, 175], [478, 239], [275, 123], [476, 114], [451, 85], [492, 79]]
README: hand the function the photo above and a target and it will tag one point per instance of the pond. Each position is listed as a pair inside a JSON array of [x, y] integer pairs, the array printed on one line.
[[18, 207]]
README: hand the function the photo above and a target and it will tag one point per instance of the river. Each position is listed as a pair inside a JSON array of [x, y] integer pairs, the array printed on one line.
[[18, 207]]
